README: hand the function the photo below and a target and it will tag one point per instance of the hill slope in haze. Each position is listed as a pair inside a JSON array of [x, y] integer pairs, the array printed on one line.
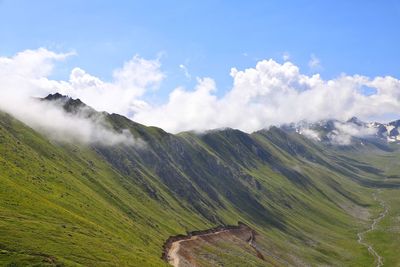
[[95, 204]]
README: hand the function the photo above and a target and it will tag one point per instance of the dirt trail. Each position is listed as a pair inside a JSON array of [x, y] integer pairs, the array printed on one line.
[[173, 257], [173, 253], [174, 244], [378, 258]]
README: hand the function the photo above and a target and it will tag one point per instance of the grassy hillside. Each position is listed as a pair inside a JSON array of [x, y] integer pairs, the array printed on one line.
[[64, 204], [96, 205]]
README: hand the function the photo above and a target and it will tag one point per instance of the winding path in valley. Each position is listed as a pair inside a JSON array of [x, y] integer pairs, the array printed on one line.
[[361, 236]]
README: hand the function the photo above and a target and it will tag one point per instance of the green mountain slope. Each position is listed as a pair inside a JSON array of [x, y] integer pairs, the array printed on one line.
[[96, 205]]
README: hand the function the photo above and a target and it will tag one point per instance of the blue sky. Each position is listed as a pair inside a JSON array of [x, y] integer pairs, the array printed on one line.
[[208, 37], [327, 46]]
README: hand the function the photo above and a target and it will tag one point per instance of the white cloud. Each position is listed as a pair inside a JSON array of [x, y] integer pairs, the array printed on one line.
[[122, 95], [268, 94], [272, 94], [138, 74], [286, 56], [19, 73], [185, 71], [311, 134], [25, 75], [53, 121], [314, 63], [337, 138], [354, 130], [344, 132], [185, 110]]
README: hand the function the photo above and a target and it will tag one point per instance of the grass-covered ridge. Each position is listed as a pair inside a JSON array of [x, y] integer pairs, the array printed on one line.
[[70, 204]]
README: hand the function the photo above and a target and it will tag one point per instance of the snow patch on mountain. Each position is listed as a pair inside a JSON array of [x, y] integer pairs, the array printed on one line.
[[344, 133]]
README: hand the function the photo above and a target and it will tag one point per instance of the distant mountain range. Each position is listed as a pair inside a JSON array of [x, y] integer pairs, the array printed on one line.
[[389, 131], [343, 132]]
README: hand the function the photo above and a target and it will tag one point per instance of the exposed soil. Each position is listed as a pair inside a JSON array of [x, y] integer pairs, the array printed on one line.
[[178, 250]]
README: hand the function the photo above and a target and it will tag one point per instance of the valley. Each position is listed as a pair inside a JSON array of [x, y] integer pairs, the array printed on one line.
[[199, 133], [309, 202]]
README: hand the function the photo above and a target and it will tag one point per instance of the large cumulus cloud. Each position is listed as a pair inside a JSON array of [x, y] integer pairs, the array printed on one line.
[[268, 94], [24, 77], [271, 94]]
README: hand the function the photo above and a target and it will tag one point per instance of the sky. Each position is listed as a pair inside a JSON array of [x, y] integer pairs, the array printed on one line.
[[180, 64]]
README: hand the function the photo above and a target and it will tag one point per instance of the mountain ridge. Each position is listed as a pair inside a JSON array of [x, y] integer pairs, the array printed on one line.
[[389, 131], [120, 203]]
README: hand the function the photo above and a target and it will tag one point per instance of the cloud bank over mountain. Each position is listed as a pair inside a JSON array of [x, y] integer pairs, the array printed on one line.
[[24, 77], [270, 93]]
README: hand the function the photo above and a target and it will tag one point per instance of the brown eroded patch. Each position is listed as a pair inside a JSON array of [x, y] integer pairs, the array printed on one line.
[[193, 249]]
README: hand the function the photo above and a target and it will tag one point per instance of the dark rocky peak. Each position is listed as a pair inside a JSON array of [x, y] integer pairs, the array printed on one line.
[[356, 121], [68, 103], [325, 125], [56, 97], [395, 123]]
